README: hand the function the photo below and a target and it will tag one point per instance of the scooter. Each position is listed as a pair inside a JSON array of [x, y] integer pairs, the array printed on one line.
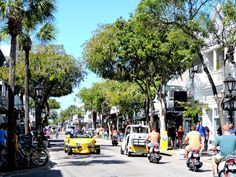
[[193, 162], [154, 154], [114, 140], [227, 167]]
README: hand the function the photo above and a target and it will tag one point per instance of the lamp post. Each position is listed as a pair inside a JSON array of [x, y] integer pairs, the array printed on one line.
[[229, 101], [38, 91]]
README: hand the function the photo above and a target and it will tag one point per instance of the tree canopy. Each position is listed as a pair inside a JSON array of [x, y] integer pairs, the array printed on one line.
[[57, 71]]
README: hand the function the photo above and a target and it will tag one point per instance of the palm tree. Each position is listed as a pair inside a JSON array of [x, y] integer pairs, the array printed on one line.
[[14, 12], [45, 34]]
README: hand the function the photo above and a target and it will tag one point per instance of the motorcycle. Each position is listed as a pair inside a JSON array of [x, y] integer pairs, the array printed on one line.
[[114, 140], [227, 167], [193, 162], [154, 154]]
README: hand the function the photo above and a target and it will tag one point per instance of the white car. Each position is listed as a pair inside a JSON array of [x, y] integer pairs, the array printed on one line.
[[133, 141]]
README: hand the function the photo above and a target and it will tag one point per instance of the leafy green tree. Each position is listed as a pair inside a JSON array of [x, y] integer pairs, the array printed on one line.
[[194, 110], [102, 96], [57, 71], [136, 50], [68, 113], [50, 108], [155, 54]]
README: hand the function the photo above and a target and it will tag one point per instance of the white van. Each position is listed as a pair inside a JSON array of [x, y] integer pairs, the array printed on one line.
[[133, 141]]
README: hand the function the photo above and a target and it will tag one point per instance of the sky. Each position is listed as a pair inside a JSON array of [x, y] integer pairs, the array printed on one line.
[[76, 20]]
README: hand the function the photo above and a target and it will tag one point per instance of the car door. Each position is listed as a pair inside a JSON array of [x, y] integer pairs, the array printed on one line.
[[126, 137]]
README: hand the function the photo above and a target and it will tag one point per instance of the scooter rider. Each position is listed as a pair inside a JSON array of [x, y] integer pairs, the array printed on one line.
[[227, 144], [154, 138], [194, 140]]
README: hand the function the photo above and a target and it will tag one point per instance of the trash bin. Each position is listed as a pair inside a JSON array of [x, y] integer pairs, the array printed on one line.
[[105, 135]]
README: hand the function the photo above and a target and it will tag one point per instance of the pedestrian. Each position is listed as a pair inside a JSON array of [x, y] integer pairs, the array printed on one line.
[[101, 132], [232, 129], [172, 134], [180, 134], [3, 136], [202, 132], [57, 133], [207, 133]]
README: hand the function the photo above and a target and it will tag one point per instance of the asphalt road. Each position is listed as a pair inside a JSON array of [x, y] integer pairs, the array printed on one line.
[[110, 163]]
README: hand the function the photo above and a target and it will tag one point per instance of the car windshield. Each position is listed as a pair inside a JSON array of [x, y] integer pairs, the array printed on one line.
[[79, 135], [140, 129], [72, 127]]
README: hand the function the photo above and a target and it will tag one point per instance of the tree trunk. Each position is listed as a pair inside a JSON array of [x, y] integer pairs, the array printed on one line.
[[26, 92], [163, 109], [94, 119], [11, 138], [150, 104]]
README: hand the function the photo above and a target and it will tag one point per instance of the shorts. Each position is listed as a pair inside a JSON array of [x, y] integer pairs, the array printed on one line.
[[152, 144], [217, 158], [189, 148]]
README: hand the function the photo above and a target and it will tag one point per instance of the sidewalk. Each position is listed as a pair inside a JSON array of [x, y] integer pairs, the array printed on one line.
[[33, 169], [26, 171]]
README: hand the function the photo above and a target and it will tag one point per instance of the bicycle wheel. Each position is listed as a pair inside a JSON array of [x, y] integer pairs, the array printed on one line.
[[39, 157]]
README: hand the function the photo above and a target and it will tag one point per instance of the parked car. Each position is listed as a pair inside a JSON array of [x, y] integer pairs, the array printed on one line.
[[133, 140], [81, 144]]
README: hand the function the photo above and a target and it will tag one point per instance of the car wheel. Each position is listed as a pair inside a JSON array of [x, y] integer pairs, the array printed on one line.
[[65, 149], [129, 154], [98, 151], [69, 151], [121, 150]]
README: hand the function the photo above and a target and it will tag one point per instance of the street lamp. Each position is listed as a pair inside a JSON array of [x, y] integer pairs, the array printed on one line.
[[38, 110], [38, 90], [229, 102]]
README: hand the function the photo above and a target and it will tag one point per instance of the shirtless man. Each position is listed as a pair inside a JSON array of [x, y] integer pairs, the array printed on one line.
[[154, 137], [194, 139]]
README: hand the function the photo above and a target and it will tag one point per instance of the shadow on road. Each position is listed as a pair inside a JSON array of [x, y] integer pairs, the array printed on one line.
[[77, 156], [52, 173], [93, 162], [203, 170]]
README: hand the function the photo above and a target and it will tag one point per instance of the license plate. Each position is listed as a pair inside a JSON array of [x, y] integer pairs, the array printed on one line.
[[139, 152], [195, 155], [156, 150], [232, 167]]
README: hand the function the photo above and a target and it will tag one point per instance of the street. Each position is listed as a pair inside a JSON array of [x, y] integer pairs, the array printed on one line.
[[110, 163]]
